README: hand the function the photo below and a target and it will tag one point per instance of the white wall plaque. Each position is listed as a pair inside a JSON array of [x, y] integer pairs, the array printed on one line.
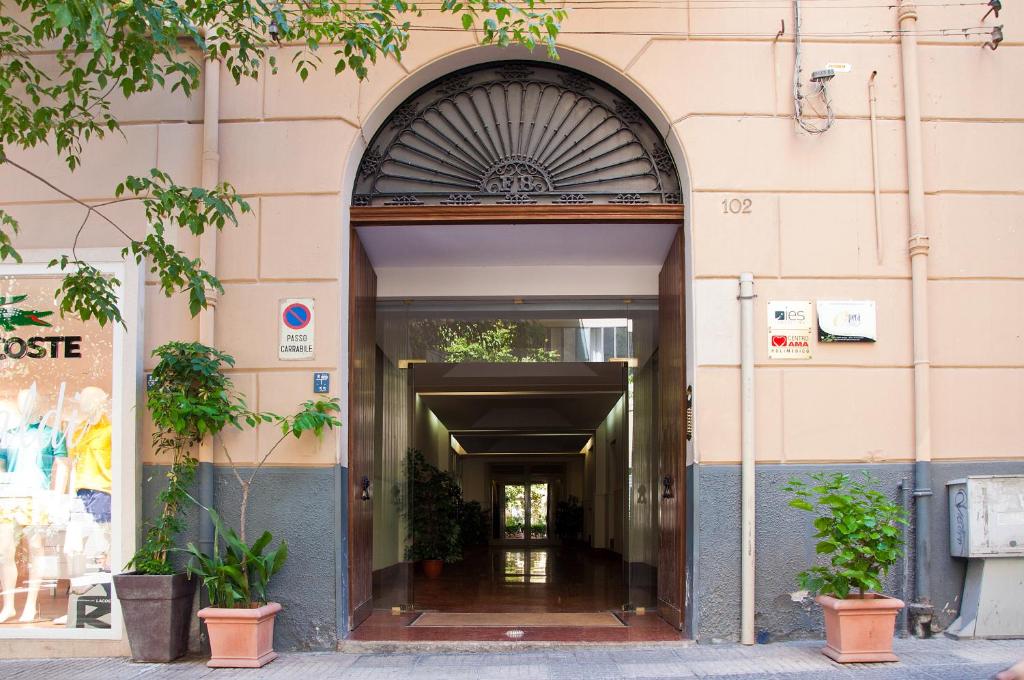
[[296, 321], [793, 315], [847, 321]]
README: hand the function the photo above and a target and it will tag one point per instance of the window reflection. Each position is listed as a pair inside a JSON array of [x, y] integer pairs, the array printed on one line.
[[525, 566]]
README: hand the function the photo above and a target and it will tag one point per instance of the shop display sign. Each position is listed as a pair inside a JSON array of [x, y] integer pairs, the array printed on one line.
[[847, 321], [57, 462], [789, 329], [297, 327]]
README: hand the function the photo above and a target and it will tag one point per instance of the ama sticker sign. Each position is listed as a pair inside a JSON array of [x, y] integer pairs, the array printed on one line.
[[296, 322]]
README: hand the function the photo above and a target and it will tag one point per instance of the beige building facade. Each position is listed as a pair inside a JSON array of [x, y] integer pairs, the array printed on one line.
[[813, 217]]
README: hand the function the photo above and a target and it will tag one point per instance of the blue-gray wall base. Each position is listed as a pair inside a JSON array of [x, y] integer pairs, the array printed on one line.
[[294, 504], [785, 547]]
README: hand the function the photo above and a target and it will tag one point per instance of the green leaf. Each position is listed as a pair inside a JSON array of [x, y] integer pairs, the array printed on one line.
[[801, 504]]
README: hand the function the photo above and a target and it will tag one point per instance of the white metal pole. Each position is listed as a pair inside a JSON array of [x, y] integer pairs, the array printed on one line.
[[746, 298]]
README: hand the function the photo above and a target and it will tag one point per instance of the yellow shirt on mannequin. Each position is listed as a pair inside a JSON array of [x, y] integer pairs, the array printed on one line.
[[91, 453]]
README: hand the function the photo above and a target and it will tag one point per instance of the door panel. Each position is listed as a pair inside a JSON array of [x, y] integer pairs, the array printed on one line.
[[671, 437], [362, 400]]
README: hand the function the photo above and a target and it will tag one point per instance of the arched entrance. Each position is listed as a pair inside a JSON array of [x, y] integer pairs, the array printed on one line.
[[535, 166]]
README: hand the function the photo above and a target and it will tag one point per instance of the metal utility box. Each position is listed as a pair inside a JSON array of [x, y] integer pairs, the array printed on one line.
[[986, 516]]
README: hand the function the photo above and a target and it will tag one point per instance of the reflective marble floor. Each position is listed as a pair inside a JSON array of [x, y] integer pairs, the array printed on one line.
[[511, 579]]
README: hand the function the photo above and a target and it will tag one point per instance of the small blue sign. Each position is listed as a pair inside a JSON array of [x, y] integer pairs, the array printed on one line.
[[321, 383], [150, 381]]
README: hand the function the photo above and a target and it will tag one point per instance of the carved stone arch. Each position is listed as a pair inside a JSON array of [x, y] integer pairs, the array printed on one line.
[[521, 133]]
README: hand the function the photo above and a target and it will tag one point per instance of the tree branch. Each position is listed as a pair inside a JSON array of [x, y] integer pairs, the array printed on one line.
[[89, 208]]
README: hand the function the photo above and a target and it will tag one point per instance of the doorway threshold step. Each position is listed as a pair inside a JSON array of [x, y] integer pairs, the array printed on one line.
[[518, 620], [383, 627]]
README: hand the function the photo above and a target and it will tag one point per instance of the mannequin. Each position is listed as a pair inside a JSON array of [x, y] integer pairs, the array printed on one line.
[[91, 454], [28, 455], [11, 521], [90, 451], [30, 449]]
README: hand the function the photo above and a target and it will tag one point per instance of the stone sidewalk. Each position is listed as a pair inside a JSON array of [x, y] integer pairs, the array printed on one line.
[[937, 659]]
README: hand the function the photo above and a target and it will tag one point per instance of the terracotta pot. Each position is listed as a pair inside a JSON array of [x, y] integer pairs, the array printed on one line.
[[157, 610], [432, 568], [859, 629], [241, 638]]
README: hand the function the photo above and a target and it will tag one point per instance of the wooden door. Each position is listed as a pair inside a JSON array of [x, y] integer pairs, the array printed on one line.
[[362, 385], [672, 435]]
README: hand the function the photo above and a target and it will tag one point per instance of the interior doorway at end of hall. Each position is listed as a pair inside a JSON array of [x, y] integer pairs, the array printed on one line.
[[522, 510]]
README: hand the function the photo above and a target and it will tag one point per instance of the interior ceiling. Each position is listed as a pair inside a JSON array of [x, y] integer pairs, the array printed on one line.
[[525, 408], [514, 245], [559, 413], [512, 443]]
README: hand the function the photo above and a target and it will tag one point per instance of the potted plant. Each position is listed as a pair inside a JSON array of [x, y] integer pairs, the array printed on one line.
[[859, 530], [240, 618], [434, 520], [188, 398], [569, 520]]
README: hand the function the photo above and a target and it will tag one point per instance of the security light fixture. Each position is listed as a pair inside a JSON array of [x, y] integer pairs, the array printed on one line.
[[993, 6], [997, 37], [823, 76]]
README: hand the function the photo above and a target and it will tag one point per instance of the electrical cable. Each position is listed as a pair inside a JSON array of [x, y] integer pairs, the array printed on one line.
[[798, 99], [876, 33]]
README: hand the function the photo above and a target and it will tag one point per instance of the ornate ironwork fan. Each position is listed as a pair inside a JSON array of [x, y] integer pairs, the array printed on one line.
[[517, 133]]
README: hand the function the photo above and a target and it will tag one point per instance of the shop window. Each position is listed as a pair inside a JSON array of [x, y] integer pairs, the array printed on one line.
[[61, 463]]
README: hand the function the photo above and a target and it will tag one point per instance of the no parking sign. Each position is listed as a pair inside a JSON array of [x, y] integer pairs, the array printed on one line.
[[296, 322]]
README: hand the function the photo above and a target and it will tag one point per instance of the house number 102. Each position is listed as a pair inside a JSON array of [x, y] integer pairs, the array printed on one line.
[[736, 206]]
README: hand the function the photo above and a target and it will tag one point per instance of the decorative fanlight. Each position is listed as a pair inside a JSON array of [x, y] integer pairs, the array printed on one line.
[[517, 133]]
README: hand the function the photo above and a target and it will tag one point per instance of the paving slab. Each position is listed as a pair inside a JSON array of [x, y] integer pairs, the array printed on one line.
[[936, 659]]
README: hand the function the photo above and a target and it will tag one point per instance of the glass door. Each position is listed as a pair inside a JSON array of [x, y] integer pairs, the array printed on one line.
[[525, 511], [538, 511], [514, 512]]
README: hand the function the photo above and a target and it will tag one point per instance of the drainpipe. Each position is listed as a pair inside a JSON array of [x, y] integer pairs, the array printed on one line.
[[876, 180], [746, 299], [921, 609], [208, 255]]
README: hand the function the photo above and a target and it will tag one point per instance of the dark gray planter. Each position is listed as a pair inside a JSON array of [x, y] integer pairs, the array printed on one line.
[[157, 610]]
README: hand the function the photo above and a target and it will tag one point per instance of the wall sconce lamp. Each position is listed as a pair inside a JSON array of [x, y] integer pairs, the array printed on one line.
[[364, 484]]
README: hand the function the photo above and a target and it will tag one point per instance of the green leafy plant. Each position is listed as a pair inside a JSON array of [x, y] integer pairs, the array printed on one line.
[[472, 524], [857, 528], [238, 575], [433, 512], [64, 66], [514, 526], [189, 397], [492, 342]]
